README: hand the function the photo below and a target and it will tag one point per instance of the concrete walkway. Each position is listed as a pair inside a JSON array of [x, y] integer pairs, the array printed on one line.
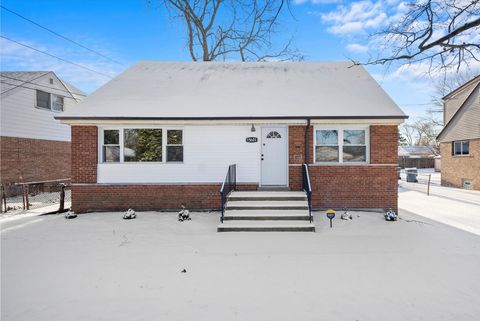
[[452, 206]]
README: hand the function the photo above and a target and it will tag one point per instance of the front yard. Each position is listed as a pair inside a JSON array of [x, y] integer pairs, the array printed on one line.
[[100, 267]]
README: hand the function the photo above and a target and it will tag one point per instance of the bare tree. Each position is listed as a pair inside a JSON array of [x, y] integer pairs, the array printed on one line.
[[232, 29], [443, 33], [447, 84], [422, 132]]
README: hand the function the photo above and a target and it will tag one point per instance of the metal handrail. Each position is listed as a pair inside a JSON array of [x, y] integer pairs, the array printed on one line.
[[307, 187], [229, 185]]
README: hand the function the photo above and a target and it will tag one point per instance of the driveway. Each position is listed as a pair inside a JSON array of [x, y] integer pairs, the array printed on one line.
[[453, 206]]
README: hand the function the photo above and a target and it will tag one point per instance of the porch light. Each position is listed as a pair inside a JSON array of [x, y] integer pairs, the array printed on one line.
[[252, 129]]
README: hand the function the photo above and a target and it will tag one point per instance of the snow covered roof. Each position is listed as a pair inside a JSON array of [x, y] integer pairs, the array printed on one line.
[[238, 90], [415, 151]]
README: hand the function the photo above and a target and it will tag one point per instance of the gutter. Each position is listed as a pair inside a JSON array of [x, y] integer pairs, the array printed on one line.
[[227, 118]]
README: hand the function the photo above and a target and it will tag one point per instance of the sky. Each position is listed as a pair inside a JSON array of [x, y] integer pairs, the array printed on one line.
[[128, 31]]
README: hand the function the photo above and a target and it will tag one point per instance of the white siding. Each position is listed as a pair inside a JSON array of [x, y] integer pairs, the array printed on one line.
[[466, 124], [208, 150], [20, 117]]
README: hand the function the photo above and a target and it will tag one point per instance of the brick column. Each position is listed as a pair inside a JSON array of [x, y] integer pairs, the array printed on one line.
[[84, 154]]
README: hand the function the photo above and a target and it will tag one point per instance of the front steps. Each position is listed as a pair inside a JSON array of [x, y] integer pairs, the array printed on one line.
[[266, 211]]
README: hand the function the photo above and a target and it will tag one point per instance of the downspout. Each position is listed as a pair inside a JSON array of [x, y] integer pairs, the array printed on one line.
[[307, 142]]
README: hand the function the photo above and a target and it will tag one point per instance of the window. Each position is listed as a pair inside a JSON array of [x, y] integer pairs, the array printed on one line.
[[111, 146], [326, 148], [274, 134], [354, 148], [43, 99], [142, 145], [174, 146], [461, 147], [341, 145], [129, 145], [49, 101]]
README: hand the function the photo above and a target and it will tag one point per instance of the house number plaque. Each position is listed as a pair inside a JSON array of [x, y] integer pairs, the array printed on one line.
[[251, 139]]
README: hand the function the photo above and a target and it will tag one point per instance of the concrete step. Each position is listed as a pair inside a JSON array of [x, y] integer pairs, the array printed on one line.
[[267, 196], [263, 215], [265, 226], [266, 205]]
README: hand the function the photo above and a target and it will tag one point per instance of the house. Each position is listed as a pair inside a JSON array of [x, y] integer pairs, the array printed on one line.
[[460, 137], [164, 133], [34, 145], [416, 156]]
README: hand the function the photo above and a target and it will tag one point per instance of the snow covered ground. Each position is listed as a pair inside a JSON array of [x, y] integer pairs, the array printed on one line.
[[100, 267], [453, 206]]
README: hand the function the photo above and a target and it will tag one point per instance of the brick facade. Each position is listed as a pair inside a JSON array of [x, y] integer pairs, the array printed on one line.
[[457, 168], [84, 154], [117, 197], [352, 186], [27, 160]]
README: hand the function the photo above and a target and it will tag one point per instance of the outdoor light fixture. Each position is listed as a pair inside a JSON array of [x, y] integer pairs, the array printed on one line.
[[252, 129]]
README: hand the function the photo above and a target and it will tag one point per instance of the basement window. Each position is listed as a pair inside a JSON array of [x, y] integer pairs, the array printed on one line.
[[461, 147]]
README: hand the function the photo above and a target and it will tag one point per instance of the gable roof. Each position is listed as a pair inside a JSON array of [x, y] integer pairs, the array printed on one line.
[[15, 79], [456, 90], [238, 90], [459, 111]]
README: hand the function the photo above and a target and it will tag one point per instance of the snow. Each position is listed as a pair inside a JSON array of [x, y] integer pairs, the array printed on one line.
[[453, 206], [101, 267], [179, 90]]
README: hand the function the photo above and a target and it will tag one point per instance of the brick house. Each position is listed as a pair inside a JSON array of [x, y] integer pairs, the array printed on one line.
[[34, 145], [165, 133], [460, 137]]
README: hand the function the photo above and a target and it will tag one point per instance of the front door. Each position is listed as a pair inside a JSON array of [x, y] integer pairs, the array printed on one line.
[[274, 156]]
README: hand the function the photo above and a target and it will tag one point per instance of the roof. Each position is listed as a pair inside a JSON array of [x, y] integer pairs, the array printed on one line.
[[415, 150], [453, 92], [14, 79], [458, 112], [229, 90]]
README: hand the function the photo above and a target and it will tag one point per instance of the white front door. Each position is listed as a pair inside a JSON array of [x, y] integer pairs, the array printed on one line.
[[274, 156]]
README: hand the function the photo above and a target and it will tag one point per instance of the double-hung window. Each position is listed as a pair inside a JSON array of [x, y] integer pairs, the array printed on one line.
[[49, 101], [341, 145], [174, 145], [461, 147], [129, 145], [111, 146]]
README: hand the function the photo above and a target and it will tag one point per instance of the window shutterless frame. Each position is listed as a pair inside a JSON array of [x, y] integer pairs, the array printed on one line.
[[121, 129], [340, 129], [461, 148], [53, 104]]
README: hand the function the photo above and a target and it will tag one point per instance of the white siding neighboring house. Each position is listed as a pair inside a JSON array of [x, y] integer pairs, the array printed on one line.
[[35, 146]]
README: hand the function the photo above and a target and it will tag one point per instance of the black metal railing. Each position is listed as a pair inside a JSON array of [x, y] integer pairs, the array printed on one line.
[[307, 187], [229, 185]]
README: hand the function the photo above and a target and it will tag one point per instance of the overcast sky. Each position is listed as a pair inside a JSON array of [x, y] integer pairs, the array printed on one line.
[[130, 30]]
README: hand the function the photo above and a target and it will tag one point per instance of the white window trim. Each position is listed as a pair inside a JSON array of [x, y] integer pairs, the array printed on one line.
[[167, 144], [340, 129], [461, 148], [121, 139], [51, 102]]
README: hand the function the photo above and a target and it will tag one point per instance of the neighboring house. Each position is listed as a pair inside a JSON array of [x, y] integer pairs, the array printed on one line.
[[460, 137], [416, 156], [34, 145], [164, 133]]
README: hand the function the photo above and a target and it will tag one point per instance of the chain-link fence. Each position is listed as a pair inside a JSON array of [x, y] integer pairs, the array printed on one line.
[[52, 196]]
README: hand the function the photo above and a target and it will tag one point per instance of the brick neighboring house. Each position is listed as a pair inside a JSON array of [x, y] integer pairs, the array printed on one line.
[[34, 145], [164, 133], [460, 137]]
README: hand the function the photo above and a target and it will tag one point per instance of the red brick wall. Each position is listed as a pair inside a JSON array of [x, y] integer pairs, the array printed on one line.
[[352, 186], [383, 144], [27, 160], [84, 154], [103, 197]]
